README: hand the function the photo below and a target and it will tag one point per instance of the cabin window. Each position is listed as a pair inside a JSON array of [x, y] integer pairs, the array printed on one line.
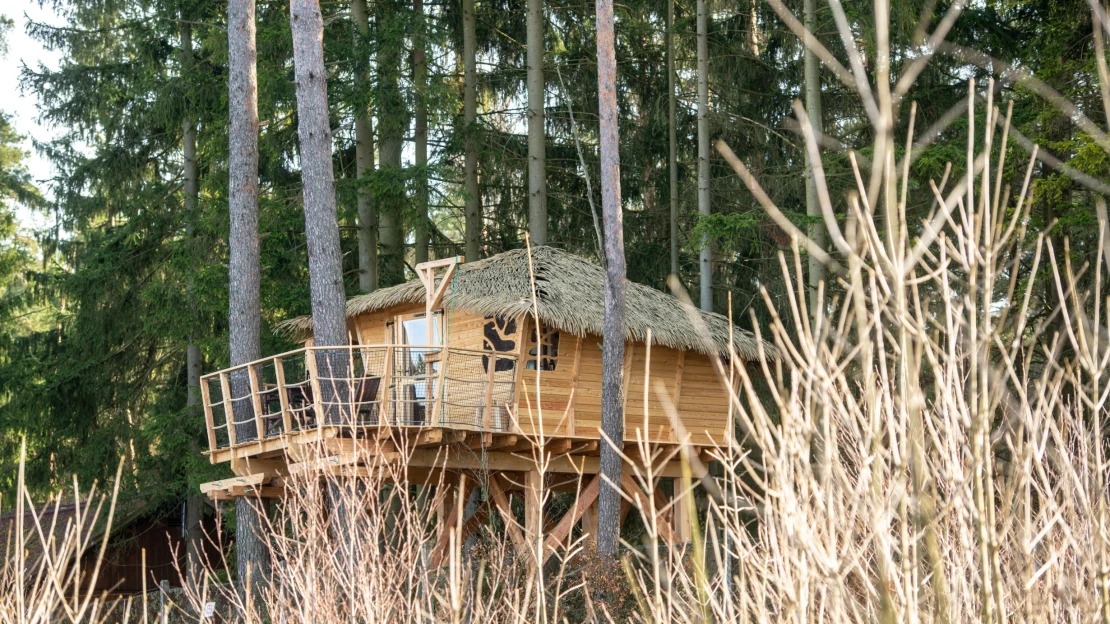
[[544, 345], [499, 334]]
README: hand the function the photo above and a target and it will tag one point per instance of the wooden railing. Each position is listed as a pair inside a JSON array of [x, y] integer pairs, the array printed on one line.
[[358, 386]]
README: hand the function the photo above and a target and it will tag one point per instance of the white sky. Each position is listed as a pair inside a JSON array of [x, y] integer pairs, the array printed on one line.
[[23, 106]]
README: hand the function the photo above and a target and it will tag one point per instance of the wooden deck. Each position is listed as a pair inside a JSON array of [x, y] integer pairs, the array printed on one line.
[[256, 408]]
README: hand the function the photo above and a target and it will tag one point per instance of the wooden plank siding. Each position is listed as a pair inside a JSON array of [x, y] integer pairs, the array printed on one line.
[[570, 395]]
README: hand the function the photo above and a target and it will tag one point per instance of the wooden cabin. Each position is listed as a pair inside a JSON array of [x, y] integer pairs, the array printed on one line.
[[503, 354]]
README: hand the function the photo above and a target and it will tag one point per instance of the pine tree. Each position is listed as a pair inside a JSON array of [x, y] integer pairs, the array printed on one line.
[[612, 356], [244, 318]]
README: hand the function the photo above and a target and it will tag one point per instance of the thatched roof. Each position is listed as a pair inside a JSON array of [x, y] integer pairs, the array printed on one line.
[[571, 293]]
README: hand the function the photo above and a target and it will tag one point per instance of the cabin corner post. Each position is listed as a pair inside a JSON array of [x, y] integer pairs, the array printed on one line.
[[209, 421]]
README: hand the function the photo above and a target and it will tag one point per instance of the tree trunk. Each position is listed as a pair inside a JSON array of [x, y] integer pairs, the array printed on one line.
[[473, 227], [672, 136], [813, 110], [705, 258], [537, 159], [194, 536], [244, 316], [364, 159], [420, 83], [612, 356], [392, 123], [325, 261]]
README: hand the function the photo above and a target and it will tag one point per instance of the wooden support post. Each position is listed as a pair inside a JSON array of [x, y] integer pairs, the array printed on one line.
[[533, 506], [511, 526], [684, 528], [577, 512], [644, 503], [589, 524], [209, 421], [256, 401], [452, 511], [283, 396], [387, 408], [229, 409]]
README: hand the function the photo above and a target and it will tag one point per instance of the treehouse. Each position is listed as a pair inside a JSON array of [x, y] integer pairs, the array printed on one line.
[[477, 367]]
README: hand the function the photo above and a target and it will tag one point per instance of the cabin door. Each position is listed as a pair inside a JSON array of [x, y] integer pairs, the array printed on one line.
[[416, 366]]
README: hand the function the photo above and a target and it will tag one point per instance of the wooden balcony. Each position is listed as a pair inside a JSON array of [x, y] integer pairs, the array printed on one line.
[[256, 407]]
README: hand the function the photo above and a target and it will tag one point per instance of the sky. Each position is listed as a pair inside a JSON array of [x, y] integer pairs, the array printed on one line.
[[21, 106]]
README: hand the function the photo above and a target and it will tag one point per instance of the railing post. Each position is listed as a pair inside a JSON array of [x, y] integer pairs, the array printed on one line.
[[487, 418], [209, 421], [353, 382], [256, 401], [279, 373], [438, 389], [229, 409], [314, 382], [387, 386]]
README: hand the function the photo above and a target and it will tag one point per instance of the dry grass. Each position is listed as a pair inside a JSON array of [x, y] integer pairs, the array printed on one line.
[[925, 455]]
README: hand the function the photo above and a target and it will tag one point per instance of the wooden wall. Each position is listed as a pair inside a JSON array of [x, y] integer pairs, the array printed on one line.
[[464, 329], [569, 401], [570, 396]]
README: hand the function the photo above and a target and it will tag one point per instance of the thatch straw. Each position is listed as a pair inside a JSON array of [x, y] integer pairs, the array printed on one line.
[[571, 292]]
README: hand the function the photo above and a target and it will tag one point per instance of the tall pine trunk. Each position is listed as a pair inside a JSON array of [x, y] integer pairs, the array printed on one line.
[[364, 157], [612, 355], [705, 258], [325, 261], [194, 536], [537, 158], [473, 226], [392, 123], [420, 138], [813, 110], [244, 273], [672, 137]]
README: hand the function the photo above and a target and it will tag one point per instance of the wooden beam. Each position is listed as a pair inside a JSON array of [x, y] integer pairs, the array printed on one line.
[[479, 440], [643, 502], [450, 522], [589, 524], [501, 442], [562, 530], [224, 484], [556, 448], [564, 464], [511, 526]]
